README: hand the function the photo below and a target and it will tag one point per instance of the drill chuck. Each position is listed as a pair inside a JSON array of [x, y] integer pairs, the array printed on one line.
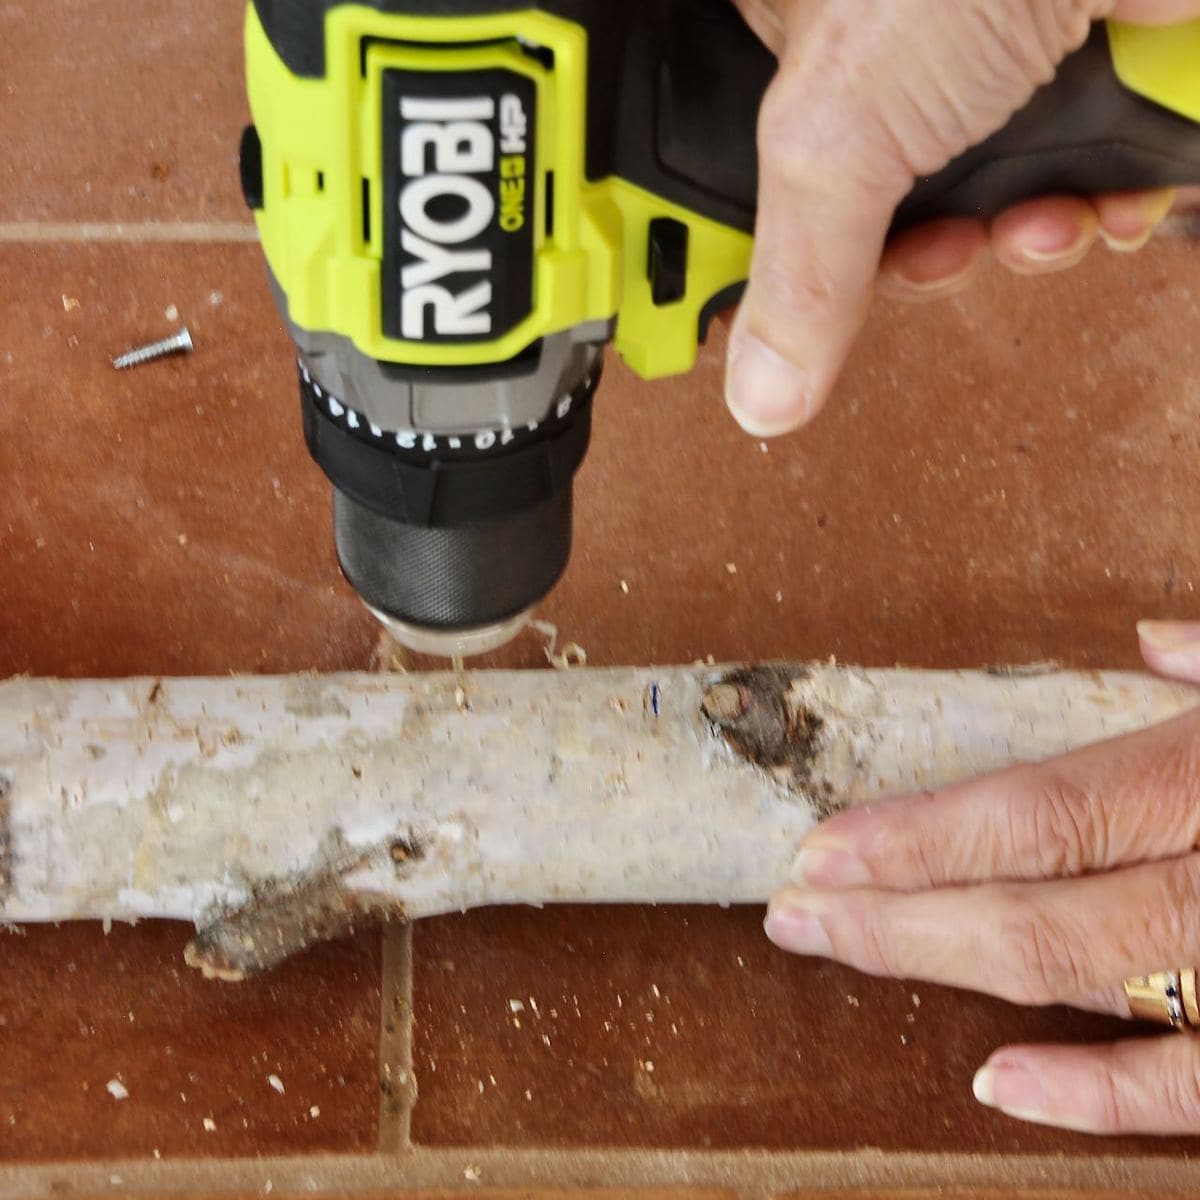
[[450, 539]]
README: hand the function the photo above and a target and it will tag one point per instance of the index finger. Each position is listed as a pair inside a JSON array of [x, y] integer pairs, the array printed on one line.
[[1130, 800]]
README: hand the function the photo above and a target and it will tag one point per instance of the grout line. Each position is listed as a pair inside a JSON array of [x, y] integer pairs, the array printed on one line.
[[758, 1173], [1185, 223], [121, 231], [397, 1083]]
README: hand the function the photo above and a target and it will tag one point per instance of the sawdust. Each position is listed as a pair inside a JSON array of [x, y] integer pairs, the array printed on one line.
[[390, 657]]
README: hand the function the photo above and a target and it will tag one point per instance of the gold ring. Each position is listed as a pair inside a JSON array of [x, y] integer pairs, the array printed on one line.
[[1166, 998], [1191, 1004]]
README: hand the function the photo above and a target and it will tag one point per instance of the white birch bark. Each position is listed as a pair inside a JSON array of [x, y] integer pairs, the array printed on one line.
[[273, 812]]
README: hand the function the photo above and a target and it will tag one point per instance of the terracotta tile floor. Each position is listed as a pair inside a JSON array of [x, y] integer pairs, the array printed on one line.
[[80, 1011], [117, 111], [1005, 477], [681, 1027]]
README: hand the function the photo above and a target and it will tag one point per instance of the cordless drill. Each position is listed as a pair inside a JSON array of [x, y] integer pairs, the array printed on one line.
[[462, 202]]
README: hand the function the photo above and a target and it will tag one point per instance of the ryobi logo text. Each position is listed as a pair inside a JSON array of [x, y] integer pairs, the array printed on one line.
[[458, 199]]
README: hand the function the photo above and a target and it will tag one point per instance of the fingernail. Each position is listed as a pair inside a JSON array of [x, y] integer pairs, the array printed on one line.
[[1137, 218], [766, 394], [1171, 637], [905, 287], [797, 929], [1127, 245], [1011, 1088], [815, 867], [1056, 241]]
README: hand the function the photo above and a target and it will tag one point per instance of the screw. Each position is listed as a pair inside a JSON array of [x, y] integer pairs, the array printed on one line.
[[181, 343]]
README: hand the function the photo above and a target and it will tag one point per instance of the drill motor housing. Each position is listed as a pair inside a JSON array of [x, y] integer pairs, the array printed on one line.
[[462, 202], [461, 205]]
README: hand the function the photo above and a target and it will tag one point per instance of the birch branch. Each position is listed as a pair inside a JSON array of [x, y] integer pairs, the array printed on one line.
[[275, 812]]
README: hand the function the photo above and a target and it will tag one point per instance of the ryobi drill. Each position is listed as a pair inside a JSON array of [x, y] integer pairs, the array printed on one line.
[[462, 202]]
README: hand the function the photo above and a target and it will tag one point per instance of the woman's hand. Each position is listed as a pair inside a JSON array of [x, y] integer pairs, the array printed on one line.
[[868, 97], [1041, 884]]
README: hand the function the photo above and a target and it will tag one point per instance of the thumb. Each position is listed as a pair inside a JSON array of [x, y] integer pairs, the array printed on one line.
[[818, 240], [867, 97], [1140, 1085], [1172, 648]]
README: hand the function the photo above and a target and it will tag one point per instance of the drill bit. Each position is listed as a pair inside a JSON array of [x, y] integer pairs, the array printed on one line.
[[460, 681]]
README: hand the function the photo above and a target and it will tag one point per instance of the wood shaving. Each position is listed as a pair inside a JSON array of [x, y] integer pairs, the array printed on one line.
[[276, 1083], [210, 1126], [117, 1090], [571, 655], [472, 1174], [731, 568], [314, 1112]]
